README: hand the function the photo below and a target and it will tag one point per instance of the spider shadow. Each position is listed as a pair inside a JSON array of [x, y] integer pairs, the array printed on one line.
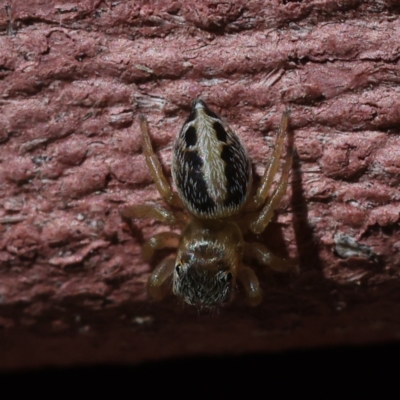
[[134, 231], [307, 246], [273, 237]]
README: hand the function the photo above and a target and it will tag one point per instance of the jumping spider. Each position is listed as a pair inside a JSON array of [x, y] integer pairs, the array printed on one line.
[[212, 173]]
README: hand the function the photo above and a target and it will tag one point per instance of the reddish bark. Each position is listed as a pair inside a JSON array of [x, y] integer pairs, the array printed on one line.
[[73, 79]]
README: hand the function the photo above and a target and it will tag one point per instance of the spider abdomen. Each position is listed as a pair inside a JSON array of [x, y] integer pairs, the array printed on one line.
[[210, 167]]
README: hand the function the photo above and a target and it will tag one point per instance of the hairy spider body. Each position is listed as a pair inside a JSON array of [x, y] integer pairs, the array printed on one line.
[[210, 167], [207, 263], [212, 173]]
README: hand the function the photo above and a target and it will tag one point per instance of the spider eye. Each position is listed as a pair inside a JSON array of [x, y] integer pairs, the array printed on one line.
[[178, 269], [229, 277]]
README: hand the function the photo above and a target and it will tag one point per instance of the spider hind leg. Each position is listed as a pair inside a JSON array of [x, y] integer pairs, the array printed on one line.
[[155, 168], [263, 218], [158, 285]]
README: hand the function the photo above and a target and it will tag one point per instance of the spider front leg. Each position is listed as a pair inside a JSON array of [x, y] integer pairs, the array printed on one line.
[[262, 255], [251, 285], [155, 168], [159, 241], [248, 278], [158, 283], [155, 212]]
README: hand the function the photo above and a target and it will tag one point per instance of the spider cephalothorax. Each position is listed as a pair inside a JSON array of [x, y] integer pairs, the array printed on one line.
[[206, 262], [202, 287], [212, 173]]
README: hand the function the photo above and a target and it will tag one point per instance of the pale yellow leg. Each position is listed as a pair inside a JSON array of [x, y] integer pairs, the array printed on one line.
[[266, 214], [158, 285], [159, 241], [153, 211], [251, 285], [260, 253], [272, 168], [155, 168]]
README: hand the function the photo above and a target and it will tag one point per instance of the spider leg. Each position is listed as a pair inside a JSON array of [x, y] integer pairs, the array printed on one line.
[[261, 254], [251, 285], [157, 285], [159, 241], [155, 168], [272, 167], [153, 211], [266, 214]]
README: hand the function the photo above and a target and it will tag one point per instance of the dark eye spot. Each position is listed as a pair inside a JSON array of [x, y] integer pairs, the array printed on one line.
[[178, 270], [229, 277], [237, 172], [194, 162], [228, 156], [190, 136], [221, 133]]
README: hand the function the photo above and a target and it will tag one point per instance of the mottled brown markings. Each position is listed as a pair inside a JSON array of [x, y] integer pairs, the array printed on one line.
[[190, 136], [196, 193], [222, 136], [237, 181]]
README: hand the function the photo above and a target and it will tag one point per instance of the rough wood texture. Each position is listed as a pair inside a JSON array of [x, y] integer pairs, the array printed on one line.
[[73, 77]]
